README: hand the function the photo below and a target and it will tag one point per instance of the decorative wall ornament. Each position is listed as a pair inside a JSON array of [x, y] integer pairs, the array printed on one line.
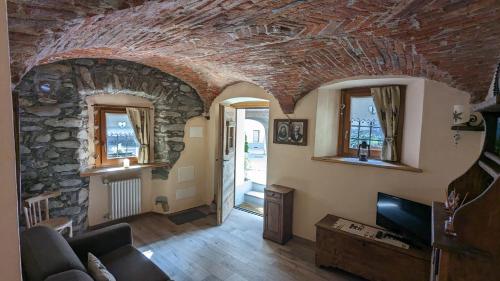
[[459, 115], [475, 123], [290, 131]]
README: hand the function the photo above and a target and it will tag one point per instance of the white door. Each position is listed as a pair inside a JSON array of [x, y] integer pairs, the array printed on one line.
[[227, 156]]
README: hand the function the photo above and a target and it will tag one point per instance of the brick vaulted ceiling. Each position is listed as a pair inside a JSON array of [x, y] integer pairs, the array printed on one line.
[[288, 47]]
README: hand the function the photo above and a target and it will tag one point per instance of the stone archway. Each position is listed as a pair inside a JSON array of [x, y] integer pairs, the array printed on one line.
[[53, 117]]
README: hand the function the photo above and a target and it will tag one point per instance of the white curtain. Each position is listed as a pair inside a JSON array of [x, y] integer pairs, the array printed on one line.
[[139, 117], [387, 102]]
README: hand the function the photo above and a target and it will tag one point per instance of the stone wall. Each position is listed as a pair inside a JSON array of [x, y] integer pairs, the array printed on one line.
[[54, 127]]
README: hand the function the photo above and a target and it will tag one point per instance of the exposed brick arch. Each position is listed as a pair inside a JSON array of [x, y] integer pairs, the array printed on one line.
[[287, 47]]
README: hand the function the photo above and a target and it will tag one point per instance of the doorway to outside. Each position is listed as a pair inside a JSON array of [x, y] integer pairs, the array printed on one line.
[[242, 156], [252, 129]]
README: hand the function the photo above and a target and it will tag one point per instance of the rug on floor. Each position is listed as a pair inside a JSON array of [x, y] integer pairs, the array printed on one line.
[[186, 217]]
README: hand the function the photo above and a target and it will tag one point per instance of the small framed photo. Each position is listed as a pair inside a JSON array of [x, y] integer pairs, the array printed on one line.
[[281, 131], [290, 131]]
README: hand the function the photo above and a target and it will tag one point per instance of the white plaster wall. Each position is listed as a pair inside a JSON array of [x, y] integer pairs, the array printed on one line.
[[322, 188], [327, 131], [412, 126], [350, 191], [328, 116], [99, 199], [195, 156], [10, 263], [98, 191]]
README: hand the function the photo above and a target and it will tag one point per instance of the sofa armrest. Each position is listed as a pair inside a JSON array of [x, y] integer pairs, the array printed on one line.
[[101, 241], [73, 275]]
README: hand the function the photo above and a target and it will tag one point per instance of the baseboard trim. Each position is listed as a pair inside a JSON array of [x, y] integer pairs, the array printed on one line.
[[304, 241], [126, 219], [146, 214]]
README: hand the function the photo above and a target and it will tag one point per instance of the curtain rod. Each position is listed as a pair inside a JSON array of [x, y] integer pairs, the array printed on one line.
[[120, 106]]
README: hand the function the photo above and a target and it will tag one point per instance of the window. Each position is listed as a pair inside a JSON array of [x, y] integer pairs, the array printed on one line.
[[359, 122], [116, 137], [256, 136]]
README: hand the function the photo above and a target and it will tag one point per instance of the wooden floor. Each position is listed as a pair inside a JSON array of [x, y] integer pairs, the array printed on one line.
[[234, 251]]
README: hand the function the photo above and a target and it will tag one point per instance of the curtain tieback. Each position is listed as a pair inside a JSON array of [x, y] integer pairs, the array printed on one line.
[[144, 145], [389, 140]]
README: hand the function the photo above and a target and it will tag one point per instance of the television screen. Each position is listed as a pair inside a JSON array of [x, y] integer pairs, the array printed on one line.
[[408, 218]]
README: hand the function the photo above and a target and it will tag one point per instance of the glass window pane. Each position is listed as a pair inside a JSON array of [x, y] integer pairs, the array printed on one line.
[[365, 125], [121, 141], [256, 136], [354, 143]]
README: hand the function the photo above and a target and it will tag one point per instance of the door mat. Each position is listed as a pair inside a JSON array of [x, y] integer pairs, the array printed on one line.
[[186, 217]]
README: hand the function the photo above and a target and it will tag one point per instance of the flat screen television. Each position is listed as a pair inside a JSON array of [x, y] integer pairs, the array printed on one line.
[[407, 218]]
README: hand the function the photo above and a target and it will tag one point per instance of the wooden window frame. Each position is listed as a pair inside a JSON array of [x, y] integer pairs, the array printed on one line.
[[100, 141], [344, 136]]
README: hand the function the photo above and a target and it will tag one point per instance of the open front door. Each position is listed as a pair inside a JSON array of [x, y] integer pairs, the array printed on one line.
[[227, 156]]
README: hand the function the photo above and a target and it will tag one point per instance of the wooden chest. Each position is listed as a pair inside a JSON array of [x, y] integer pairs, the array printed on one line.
[[371, 259]]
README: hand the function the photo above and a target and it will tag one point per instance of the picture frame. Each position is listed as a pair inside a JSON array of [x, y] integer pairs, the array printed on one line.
[[290, 131]]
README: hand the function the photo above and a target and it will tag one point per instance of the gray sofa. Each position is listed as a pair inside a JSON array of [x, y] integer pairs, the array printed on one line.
[[47, 256]]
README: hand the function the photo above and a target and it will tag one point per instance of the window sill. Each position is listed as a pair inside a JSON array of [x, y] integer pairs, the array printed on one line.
[[119, 169], [370, 162]]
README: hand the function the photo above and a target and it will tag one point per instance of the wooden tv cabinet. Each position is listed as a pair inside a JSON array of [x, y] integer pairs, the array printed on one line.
[[368, 258]]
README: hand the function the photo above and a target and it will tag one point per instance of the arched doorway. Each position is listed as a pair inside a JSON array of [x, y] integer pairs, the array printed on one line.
[[251, 163], [243, 155]]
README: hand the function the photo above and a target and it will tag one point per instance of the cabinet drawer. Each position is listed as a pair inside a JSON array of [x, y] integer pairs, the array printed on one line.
[[273, 195]]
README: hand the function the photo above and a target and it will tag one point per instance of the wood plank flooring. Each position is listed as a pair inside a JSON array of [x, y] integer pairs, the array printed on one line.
[[234, 251]]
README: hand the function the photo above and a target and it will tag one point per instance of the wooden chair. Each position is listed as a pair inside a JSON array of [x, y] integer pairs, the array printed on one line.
[[35, 206]]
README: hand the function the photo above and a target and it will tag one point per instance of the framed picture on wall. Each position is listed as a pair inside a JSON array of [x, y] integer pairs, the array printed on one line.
[[290, 131]]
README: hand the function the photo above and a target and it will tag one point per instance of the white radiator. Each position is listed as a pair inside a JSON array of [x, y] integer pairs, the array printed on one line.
[[124, 198]]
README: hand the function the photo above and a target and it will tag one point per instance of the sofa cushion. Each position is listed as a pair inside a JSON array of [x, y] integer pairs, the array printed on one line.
[[97, 270], [127, 263], [73, 275], [45, 252]]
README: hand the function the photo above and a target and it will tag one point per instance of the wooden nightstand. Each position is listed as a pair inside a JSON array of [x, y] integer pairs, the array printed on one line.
[[278, 213]]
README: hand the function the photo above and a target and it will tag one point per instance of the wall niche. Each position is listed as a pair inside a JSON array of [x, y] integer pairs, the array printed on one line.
[[53, 123]]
